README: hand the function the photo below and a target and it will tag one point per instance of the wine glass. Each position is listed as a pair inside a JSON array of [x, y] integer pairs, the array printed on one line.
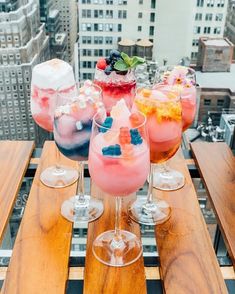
[[116, 86], [43, 99], [183, 80], [164, 123], [72, 130], [119, 165]]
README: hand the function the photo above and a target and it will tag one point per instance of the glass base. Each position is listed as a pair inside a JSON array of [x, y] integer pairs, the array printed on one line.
[[154, 213], [117, 253], [169, 180], [86, 211], [59, 177]]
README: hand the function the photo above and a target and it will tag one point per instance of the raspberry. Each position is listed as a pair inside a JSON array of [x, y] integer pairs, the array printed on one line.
[[101, 64]]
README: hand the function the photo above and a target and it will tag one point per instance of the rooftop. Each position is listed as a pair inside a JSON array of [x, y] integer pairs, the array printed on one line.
[[217, 80]]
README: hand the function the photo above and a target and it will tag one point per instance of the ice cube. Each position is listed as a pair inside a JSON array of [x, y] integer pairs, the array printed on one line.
[[120, 114]]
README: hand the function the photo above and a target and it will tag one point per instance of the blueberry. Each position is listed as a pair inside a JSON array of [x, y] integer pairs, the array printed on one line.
[[108, 70], [115, 54], [108, 60]]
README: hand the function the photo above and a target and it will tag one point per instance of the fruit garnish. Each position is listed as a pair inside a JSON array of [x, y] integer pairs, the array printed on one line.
[[126, 62], [101, 63]]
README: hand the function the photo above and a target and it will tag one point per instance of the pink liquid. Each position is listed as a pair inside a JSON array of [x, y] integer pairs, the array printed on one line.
[[43, 102], [118, 176], [188, 102], [42, 107], [115, 87]]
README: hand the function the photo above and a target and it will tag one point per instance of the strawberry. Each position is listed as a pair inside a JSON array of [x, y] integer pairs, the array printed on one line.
[[101, 64]]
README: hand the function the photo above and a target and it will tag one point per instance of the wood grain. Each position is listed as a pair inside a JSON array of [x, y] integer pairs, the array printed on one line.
[[39, 262], [99, 278], [216, 165], [14, 160], [187, 260]]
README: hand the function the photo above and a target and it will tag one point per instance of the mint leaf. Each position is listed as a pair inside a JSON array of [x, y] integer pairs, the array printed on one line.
[[136, 60], [126, 58], [121, 65]]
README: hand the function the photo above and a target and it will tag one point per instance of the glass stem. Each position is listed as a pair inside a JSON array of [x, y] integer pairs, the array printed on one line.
[[58, 168], [117, 219], [150, 188], [80, 198], [164, 167]]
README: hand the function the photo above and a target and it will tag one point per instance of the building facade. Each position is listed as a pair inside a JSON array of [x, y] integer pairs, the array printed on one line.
[[174, 28], [23, 43], [69, 23], [230, 24], [57, 40], [208, 21], [103, 23]]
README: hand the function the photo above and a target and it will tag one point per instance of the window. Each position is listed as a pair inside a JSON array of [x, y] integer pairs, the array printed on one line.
[[195, 42], [109, 2], [200, 3], [220, 3], [86, 13], [108, 27], [119, 27], [152, 16], [198, 16], [207, 30], [197, 30], [98, 40], [98, 13], [219, 17], [108, 40], [153, 3], [207, 102], [151, 30], [86, 40], [210, 3], [208, 16], [109, 14], [220, 102], [139, 28], [140, 1], [217, 30], [98, 52], [122, 13], [194, 55], [140, 15]]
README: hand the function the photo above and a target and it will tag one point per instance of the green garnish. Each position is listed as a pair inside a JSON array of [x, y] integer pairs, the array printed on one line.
[[128, 62]]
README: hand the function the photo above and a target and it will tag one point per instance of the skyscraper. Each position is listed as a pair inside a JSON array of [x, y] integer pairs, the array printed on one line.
[[103, 23], [173, 27], [69, 23], [52, 19], [230, 23], [23, 43]]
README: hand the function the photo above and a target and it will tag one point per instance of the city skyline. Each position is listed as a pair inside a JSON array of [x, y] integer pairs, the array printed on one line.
[[81, 32]]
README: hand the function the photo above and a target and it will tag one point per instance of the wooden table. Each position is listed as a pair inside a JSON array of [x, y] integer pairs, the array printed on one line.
[[40, 258]]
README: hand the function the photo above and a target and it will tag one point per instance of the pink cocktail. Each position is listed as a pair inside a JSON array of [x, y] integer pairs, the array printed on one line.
[[162, 108], [189, 105], [119, 165], [183, 80], [115, 87], [47, 77]]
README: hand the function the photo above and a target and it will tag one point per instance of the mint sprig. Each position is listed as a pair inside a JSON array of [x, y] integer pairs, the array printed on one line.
[[128, 62]]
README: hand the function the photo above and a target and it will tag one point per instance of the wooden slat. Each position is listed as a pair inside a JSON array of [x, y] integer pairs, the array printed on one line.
[[151, 273], [14, 159], [187, 260], [216, 165], [99, 278], [39, 262]]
